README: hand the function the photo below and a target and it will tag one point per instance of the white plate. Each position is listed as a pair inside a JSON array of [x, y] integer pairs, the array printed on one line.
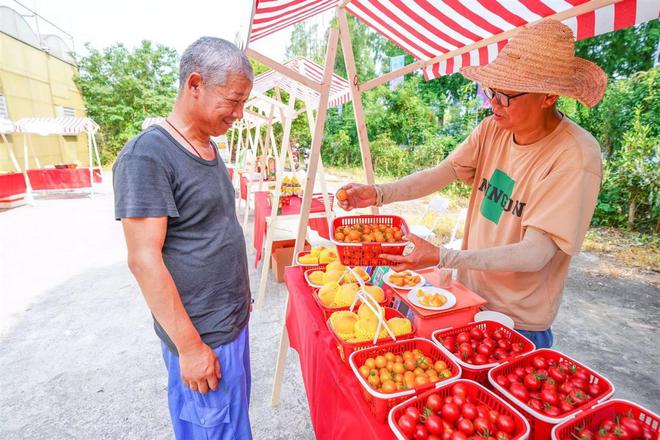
[[386, 280], [490, 315], [451, 299]]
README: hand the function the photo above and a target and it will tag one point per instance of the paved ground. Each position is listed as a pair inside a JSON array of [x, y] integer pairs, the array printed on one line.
[[78, 357]]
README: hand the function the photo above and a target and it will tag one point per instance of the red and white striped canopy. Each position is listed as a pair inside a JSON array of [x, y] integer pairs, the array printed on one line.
[[429, 28], [66, 126], [339, 87]]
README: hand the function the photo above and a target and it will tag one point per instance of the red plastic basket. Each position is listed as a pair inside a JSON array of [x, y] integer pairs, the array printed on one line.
[[327, 311], [381, 403], [592, 417], [346, 348], [477, 393], [366, 254], [479, 373], [541, 425]]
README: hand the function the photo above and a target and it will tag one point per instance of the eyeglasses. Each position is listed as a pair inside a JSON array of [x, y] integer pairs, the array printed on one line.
[[500, 97]]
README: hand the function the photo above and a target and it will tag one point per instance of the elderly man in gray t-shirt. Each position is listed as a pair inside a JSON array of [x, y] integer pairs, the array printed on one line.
[[186, 248]]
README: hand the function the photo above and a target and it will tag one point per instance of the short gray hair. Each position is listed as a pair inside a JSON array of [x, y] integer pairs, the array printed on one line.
[[215, 59]]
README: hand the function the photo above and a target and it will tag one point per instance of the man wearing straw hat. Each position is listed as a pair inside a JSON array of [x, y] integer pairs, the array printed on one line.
[[535, 177]]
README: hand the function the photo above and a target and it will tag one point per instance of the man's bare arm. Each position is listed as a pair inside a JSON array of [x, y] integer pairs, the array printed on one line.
[[144, 240]]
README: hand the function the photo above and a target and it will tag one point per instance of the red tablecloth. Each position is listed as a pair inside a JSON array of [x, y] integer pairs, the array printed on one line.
[[336, 405], [65, 178], [11, 184], [262, 209]]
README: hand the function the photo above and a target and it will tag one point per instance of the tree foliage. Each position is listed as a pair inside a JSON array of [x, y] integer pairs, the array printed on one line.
[[121, 88]]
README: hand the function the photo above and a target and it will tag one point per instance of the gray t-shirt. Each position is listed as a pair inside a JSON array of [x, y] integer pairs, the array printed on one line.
[[204, 250]]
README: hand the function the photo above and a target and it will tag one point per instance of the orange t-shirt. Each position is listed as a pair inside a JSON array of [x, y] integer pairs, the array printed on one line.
[[552, 186]]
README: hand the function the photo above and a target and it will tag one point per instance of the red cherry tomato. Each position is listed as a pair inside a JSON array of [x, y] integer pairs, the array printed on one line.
[[539, 362], [633, 426], [482, 426], [532, 382], [506, 424], [476, 333], [551, 411], [434, 424], [519, 391], [406, 425], [502, 381], [463, 337], [460, 388], [550, 397], [465, 426], [450, 412], [413, 412], [420, 433], [434, 402], [469, 411]]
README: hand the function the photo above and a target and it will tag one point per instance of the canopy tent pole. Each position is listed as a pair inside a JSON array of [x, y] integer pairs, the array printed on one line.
[[356, 97], [96, 152], [317, 137], [10, 153], [248, 186], [91, 165], [266, 148], [291, 116], [324, 188], [275, 203], [231, 142]]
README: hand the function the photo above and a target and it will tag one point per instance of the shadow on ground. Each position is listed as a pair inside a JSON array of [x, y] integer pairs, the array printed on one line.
[[84, 362]]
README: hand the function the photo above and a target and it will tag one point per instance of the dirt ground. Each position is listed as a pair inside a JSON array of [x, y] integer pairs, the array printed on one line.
[[79, 358]]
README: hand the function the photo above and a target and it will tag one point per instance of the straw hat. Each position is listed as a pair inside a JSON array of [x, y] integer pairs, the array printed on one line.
[[540, 58]]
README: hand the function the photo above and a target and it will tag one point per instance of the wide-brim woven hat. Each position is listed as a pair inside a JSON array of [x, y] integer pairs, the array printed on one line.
[[540, 58]]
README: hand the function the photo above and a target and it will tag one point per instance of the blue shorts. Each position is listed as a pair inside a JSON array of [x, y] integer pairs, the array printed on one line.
[[542, 339], [217, 415]]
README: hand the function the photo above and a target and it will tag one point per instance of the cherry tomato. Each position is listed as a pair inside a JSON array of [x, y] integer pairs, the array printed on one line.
[[420, 433], [513, 378], [489, 342], [465, 350], [458, 435], [519, 371], [406, 424], [465, 426], [499, 334], [550, 397], [434, 402], [504, 344], [459, 388], [565, 406], [502, 436], [585, 434], [469, 411], [557, 375], [476, 333], [535, 404], [532, 382], [450, 412], [593, 389], [484, 349], [413, 412], [578, 383], [482, 425], [502, 381], [449, 342], [460, 400], [463, 337], [480, 359], [434, 424], [551, 411], [539, 362], [505, 424], [633, 426], [519, 391]]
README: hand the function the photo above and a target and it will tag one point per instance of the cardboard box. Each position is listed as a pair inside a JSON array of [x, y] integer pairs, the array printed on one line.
[[282, 257]]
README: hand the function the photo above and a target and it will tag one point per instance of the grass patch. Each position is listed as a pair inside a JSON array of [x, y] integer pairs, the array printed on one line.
[[632, 249]]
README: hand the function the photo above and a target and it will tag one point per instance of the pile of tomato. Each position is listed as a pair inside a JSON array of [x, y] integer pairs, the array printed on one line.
[[550, 388], [389, 373], [621, 426], [479, 347], [456, 417]]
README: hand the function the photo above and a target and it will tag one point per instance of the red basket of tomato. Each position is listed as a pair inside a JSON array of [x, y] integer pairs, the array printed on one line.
[[549, 387], [460, 410], [360, 239], [614, 419], [391, 373], [480, 346]]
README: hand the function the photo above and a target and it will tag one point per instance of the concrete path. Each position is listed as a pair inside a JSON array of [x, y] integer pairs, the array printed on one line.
[[79, 359]]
